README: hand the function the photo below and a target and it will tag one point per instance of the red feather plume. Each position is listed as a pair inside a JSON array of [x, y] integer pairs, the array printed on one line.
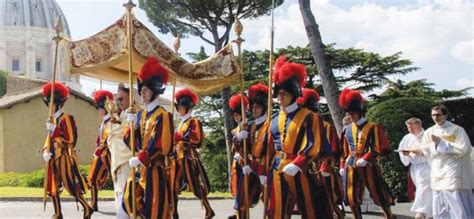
[[59, 89], [235, 101], [186, 92], [153, 68], [347, 96], [256, 88], [98, 95], [308, 94], [285, 70]]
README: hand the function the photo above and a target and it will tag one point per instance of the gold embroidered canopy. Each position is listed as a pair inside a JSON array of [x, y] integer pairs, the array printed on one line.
[[104, 56]]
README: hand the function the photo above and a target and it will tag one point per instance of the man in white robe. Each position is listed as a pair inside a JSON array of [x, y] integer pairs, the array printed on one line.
[[119, 151], [448, 147], [410, 154]]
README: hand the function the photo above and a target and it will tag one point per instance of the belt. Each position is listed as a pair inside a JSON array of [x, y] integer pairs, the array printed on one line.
[[286, 156]]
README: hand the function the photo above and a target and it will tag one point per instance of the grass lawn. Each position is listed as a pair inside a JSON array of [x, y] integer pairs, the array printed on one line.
[[38, 192]]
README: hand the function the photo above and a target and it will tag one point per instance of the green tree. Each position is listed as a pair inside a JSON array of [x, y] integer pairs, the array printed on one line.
[[417, 88], [201, 18], [3, 82]]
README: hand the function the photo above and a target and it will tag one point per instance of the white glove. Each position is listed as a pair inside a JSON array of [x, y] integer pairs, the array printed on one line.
[[237, 157], [342, 171], [247, 170], [131, 117], [263, 180], [291, 169], [325, 174], [134, 162], [361, 162], [47, 156], [242, 135], [50, 127]]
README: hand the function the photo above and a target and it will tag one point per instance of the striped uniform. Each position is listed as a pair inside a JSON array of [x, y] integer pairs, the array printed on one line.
[[262, 151], [298, 141], [238, 176], [63, 167], [365, 140], [153, 135], [99, 171], [189, 165], [333, 183]]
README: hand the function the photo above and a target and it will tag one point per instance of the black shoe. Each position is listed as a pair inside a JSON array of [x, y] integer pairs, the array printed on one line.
[[95, 208], [88, 216], [60, 216], [210, 215], [184, 187], [232, 217]]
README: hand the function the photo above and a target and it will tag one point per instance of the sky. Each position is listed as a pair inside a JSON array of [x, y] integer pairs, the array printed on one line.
[[437, 35]]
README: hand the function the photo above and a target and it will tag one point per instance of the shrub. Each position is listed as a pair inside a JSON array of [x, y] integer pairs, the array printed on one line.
[[36, 179], [214, 158], [3, 82]]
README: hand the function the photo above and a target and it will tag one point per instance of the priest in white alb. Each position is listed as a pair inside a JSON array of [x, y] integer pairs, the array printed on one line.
[[448, 147], [411, 154]]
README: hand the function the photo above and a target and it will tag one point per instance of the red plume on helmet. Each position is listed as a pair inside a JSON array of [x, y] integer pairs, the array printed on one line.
[[59, 89], [101, 94], [308, 95], [235, 103], [285, 71], [152, 68], [185, 92], [256, 89], [351, 100]]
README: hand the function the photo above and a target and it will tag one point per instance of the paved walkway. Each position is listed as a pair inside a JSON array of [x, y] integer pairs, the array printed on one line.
[[189, 209]]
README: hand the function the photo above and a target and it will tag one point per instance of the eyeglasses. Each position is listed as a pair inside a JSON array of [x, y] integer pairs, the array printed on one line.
[[437, 115]]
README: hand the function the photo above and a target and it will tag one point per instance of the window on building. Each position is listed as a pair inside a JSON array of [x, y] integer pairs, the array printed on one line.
[[39, 65], [15, 64]]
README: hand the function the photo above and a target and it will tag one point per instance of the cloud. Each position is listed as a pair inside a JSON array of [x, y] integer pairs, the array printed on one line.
[[422, 30], [464, 51], [465, 82]]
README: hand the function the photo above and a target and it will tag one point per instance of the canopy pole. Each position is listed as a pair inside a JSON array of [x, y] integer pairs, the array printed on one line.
[[58, 26], [238, 31], [129, 6], [269, 112]]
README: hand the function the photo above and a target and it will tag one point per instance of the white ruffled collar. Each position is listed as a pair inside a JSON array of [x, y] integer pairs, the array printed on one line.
[[291, 108], [152, 105], [185, 117], [261, 119]]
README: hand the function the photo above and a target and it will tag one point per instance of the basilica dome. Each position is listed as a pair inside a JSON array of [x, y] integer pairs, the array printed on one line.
[[26, 45], [31, 13]]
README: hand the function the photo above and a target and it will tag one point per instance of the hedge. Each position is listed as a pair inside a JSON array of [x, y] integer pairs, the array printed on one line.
[[36, 179]]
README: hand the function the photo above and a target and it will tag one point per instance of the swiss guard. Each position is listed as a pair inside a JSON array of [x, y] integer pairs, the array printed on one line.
[[363, 142], [330, 177], [256, 135], [188, 137], [262, 150], [298, 142], [99, 171], [238, 136], [60, 153], [154, 143]]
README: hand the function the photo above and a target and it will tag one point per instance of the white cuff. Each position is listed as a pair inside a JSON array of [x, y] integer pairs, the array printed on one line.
[[237, 157], [291, 169]]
